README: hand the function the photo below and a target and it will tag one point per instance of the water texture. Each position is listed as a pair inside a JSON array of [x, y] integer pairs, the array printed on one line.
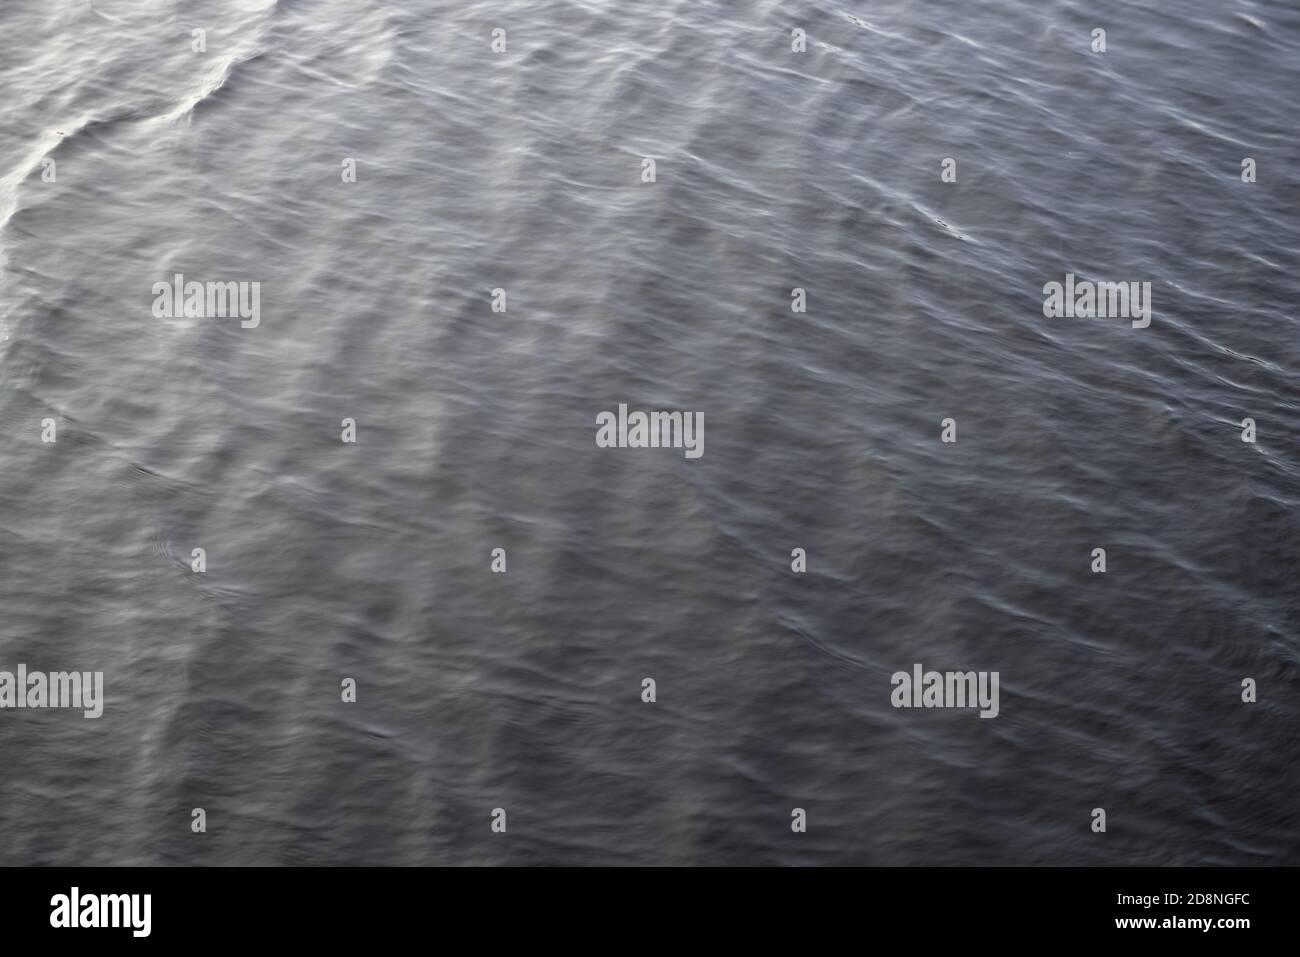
[[522, 170]]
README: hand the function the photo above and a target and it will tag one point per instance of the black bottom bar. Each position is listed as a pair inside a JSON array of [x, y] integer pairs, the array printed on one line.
[[334, 907]]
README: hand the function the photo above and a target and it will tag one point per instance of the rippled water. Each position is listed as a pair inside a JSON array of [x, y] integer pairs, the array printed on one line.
[[522, 690]]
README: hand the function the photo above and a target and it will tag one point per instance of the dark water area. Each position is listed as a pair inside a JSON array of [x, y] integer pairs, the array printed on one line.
[[475, 430]]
